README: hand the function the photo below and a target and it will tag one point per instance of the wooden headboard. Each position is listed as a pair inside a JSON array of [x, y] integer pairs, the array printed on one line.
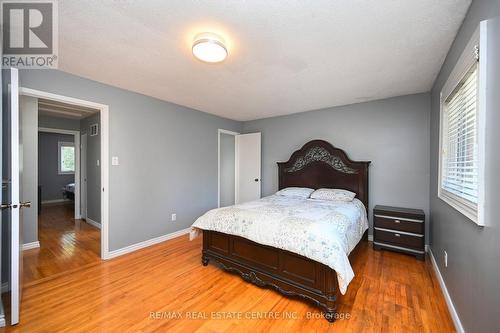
[[318, 164]]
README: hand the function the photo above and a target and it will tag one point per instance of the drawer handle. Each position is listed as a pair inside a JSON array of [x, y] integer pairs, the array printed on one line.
[[397, 235], [397, 221]]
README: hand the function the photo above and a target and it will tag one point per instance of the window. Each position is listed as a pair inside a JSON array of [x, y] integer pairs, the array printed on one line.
[[462, 134], [66, 164]]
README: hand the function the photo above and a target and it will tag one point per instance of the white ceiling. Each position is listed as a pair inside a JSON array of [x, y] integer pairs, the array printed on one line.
[[284, 56]]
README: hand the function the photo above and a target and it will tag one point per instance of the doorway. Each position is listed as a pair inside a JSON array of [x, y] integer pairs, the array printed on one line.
[[56, 238], [239, 167], [226, 168], [93, 129]]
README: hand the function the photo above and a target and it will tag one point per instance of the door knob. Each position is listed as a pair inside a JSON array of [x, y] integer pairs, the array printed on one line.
[[6, 206], [26, 204]]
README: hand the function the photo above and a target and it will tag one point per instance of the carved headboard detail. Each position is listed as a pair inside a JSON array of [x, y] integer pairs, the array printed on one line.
[[318, 164]]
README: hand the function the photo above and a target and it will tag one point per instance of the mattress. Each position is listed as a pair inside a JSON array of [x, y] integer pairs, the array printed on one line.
[[69, 188]]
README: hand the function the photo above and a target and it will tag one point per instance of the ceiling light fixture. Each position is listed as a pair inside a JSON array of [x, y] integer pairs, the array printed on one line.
[[209, 47]]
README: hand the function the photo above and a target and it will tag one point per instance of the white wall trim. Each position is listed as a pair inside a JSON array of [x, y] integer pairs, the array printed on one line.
[[104, 113], [32, 245], [149, 242], [55, 201], [446, 294], [93, 223], [219, 132]]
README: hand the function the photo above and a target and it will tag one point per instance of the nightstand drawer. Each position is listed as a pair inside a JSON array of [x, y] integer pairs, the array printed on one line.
[[399, 223], [404, 239]]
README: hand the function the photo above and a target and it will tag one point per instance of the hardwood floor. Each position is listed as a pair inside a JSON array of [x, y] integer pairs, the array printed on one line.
[[165, 288], [65, 244]]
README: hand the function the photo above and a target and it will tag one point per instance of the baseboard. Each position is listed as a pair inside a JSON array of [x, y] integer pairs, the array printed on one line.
[[32, 245], [93, 223], [2, 316], [141, 245], [446, 294], [55, 201]]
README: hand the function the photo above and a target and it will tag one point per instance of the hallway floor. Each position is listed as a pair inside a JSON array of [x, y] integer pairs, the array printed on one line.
[[65, 244]]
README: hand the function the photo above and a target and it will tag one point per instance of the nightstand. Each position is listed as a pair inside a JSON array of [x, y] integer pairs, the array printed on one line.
[[399, 229]]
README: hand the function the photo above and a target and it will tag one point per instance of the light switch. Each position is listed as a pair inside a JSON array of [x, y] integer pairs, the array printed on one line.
[[115, 160]]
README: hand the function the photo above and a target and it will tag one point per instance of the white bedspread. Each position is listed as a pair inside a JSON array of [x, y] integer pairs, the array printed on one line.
[[324, 231]]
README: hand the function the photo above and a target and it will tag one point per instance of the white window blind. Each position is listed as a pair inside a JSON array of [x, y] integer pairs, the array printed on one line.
[[459, 174]]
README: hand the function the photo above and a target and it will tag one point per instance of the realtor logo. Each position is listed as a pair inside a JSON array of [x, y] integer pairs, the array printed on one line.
[[29, 33]]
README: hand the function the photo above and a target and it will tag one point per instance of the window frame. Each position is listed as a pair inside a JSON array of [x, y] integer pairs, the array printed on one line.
[[60, 145], [475, 47]]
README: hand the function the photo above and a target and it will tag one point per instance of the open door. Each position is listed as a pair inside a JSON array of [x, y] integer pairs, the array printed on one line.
[[11, 174], [248, 155]]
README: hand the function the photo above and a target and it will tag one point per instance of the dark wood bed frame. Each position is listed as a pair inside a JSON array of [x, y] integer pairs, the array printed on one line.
[[316, 165]]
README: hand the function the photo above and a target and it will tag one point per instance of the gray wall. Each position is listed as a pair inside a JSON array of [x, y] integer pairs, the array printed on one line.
[[93, 169], [392, 133], [473, 273], [28, 123], [227, 169], [48, 174], [167, 152]]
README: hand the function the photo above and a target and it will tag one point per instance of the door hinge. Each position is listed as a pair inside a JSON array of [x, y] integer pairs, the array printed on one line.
[[476, 52]]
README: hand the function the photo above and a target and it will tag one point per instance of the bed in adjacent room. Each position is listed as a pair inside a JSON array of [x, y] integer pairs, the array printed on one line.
[[69, 191], [297, 241]]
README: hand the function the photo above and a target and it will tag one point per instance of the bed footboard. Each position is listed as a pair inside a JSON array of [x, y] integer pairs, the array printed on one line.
[[265, 266]]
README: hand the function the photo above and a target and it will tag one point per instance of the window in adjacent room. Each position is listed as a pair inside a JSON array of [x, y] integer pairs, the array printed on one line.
[[462, 133], [66, 160]]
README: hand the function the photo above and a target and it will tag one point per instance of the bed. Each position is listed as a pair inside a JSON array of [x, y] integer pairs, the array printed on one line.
[[299, 247], [69, 191]]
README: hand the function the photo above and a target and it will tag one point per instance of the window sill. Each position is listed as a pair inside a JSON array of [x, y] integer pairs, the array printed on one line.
[[461, 207]]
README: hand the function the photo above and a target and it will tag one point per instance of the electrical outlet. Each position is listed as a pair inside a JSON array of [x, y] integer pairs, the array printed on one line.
[[174, 217], [445, 259]]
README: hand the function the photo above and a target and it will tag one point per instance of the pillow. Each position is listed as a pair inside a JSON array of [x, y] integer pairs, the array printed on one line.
[[296, 192], [333, 194]]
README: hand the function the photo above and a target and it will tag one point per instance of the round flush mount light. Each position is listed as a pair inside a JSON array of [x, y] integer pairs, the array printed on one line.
[[209, 47]]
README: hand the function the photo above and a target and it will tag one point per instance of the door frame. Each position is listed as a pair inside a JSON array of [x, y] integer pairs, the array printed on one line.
[[104, 123], [76, 135], [219, 132], [83, 167]]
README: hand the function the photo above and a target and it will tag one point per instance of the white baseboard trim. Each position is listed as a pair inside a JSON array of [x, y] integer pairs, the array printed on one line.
[[141, 245], [32, 245], [449, 303], [55, 201], [92, 222]]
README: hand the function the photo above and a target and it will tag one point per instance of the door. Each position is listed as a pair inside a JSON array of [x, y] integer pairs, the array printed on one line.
[[247, 167], [11, 173], [83, 177]]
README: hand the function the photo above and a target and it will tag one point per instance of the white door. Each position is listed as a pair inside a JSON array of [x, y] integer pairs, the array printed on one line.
[[247, 147], [11, 206], [83, 177]]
